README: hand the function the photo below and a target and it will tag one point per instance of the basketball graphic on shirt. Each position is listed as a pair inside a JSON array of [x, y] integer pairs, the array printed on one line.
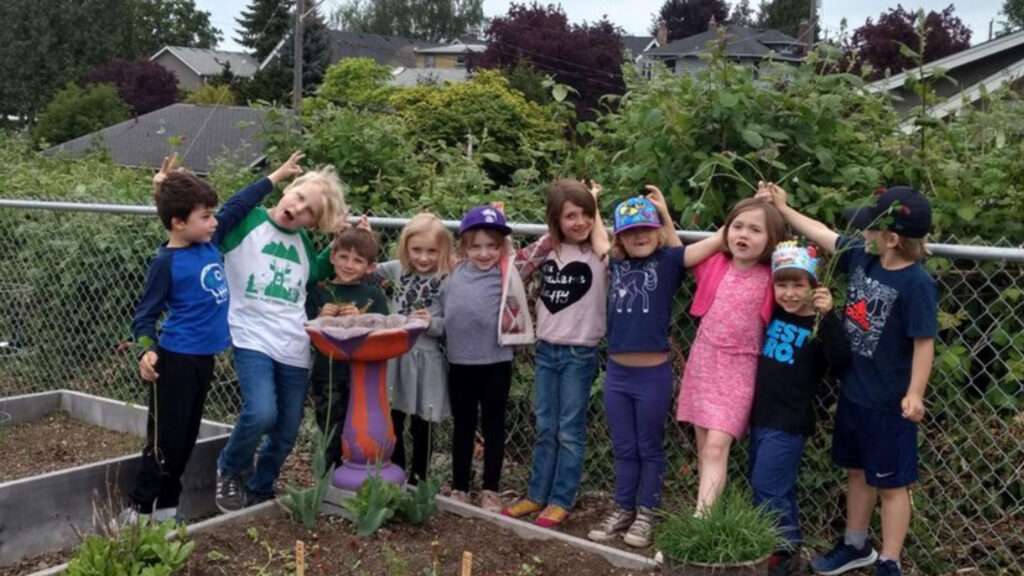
[[869, 307], [563, 287]]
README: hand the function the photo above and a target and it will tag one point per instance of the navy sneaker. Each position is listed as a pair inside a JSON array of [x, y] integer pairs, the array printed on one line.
[[887, 568], [843, 558]]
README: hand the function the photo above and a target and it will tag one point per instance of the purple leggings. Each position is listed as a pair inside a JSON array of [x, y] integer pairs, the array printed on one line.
[[637, 403]]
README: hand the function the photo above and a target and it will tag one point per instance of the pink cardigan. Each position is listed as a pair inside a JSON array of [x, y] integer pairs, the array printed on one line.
[[709, 274]]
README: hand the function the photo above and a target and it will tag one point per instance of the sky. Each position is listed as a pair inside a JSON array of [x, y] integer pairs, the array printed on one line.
[[634, 16]]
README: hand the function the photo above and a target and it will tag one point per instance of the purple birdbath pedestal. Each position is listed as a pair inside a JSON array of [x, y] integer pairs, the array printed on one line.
[[366, 342]]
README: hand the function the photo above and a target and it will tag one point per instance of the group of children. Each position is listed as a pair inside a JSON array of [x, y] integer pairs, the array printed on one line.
[[767, 337]]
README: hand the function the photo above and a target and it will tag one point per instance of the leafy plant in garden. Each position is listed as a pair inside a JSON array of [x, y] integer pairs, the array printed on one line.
[[142, 549], [374, 504]]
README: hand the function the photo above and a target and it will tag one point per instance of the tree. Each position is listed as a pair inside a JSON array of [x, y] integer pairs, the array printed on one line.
[[75, 111], [878, 43], [263, 23], [431, 20], [212, 95], [587, 57], [356, 82], [786, 16], [316, 51], [688, 17], [143, 85], [742, 14], [159, 23], [1014, 12]]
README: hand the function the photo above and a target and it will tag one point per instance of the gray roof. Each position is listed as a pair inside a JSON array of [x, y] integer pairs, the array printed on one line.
[[205, 133], [414, 76], [454, 48], [741, 42], [208, 62], [385, 50], [636, 44]]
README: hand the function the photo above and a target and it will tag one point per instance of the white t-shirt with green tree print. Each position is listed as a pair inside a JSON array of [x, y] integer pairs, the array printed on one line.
[[268, 271]]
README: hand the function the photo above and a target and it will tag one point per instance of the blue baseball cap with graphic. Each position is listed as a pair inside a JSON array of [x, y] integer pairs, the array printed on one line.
[[636, 212]]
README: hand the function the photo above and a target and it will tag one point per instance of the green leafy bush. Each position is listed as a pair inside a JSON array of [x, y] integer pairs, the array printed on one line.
[[76, 111], [212, 95], [355, 82], [143, 549]]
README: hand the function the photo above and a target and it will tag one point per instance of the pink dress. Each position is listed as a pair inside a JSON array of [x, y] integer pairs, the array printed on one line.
[[718, 383]]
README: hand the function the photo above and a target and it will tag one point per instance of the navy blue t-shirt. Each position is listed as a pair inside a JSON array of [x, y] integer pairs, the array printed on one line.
[[885, 311], [640, 301], [189, 283]]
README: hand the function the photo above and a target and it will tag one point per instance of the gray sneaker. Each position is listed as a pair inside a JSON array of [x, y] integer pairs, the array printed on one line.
[[618, 521], [230, 493], [639, 533]]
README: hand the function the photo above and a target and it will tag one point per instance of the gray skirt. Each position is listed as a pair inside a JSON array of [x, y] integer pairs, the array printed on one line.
[[418, 383]]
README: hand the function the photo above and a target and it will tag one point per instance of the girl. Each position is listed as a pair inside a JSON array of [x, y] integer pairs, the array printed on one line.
[[734, 301], [416, 284], [570, 324], [646, 270], [269, 260], [484, 315]]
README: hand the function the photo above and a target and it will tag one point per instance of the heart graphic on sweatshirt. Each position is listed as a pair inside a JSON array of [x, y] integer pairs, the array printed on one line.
[[563, 287]]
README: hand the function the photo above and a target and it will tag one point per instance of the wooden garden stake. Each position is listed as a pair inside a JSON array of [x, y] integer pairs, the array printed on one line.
[[467, 563], [300, 558], [435, 550]]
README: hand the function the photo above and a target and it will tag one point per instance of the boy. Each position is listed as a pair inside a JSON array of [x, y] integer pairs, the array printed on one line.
[[269, 261], [354, 256], [187, 279], [891, 321], [791, 367]]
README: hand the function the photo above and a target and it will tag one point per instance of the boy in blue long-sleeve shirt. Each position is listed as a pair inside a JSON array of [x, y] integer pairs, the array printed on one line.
[[185, 279]]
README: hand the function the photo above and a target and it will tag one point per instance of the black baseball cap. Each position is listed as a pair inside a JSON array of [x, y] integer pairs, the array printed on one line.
[[900, 209]]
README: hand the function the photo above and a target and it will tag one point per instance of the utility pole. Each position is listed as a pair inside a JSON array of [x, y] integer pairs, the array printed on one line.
[[812, 24], [300, 9]]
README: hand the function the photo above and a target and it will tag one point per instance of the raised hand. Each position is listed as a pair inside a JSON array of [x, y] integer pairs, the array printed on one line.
[[169, 164], [289, 169]]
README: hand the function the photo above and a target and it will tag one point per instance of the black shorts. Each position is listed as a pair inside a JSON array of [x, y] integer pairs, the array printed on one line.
[[882, 443]]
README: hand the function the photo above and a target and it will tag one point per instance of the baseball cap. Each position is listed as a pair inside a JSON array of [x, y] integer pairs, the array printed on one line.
[[636, 212], [900, 209], [484, 217]]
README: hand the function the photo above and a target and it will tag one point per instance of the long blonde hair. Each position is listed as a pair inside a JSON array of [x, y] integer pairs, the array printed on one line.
[[426, 223], [326, 180]]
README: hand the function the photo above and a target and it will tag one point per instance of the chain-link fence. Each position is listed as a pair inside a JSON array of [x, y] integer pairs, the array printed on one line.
[[70, 275]]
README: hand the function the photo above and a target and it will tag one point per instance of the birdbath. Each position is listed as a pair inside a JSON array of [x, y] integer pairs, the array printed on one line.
[[366, 342]]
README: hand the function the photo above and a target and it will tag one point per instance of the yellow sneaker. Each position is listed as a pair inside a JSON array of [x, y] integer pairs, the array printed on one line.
[[552, 516], [522, 508]]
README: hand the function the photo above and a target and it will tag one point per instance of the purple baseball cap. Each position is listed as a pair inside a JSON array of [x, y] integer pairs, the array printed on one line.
[[485, 216]]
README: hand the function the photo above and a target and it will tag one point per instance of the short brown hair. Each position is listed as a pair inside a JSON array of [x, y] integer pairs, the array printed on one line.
[[775, 225], [179, 194], [362, 242], [913, 249], [565, 190], [466, 237], [794, 275]]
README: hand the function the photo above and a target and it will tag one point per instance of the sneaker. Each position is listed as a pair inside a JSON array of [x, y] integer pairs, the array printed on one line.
[[491, 501], [784, 564], [230, 496], [459, 496], [639, 533], [843, 558], [887, 568], [552, 516], [618, 521], [524, 507], [252, 499]]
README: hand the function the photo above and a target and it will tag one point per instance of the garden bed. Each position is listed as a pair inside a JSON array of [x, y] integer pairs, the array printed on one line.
[[47, 511]]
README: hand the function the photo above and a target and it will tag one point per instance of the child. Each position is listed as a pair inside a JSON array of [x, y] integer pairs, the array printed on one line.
[[353, 255], [891, 321], [791, 366], [187, 279], [570, 323], [484, 315], [270, 261], [734, 301], [417, 281], [646, 270]]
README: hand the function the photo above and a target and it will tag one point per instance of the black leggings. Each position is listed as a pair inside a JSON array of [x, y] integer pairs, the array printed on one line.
[[485, 388], [420, 429]]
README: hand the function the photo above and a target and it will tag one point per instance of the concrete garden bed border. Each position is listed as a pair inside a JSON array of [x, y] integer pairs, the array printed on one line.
[[41, 513]]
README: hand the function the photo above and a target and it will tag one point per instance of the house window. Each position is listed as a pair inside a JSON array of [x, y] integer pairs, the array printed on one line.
[[460, 61], [428, 61]]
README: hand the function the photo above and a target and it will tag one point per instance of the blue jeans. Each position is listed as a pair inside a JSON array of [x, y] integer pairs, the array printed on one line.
[[774, 468], [561, 391], [273, 395]]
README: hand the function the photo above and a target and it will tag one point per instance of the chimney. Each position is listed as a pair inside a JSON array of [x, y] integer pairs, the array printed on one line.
[[662, 36]]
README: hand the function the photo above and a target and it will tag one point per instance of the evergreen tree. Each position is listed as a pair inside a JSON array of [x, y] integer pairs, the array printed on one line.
[[786, 16], [263, 24], [432, 20], [688, 17], [316, 51], [742, 14]]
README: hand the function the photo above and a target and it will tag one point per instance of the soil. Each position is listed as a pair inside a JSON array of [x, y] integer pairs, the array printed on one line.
[[58, 441], [266, 545]]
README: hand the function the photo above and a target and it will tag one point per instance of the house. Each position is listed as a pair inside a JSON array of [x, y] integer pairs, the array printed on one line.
[[390, 51], [635, 47], [403, 77], [194, 67], [453, 55], [199, 134], [742, 44], [982, 68]]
